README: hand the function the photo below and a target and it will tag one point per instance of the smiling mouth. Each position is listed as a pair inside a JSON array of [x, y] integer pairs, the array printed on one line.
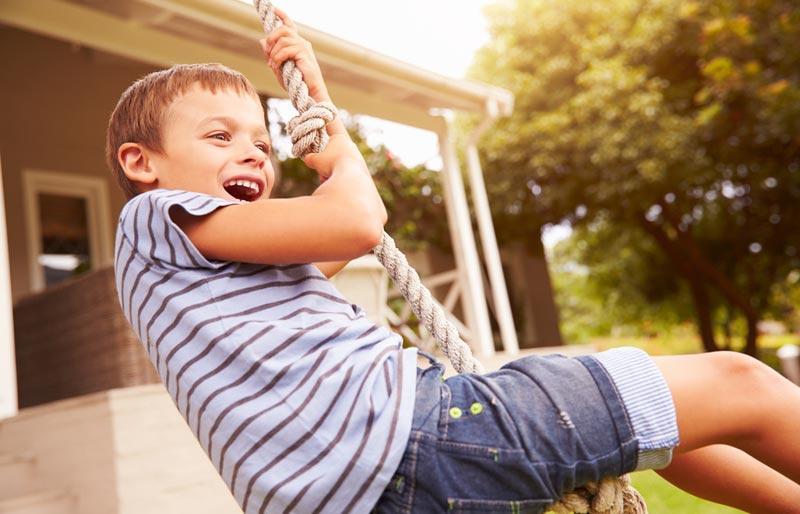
[[243, 190]]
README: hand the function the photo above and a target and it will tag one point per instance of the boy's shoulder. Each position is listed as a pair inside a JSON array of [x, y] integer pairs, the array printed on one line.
[[146, 223], [162, 200]]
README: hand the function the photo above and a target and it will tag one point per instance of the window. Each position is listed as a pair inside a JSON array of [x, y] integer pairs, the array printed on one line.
[[67, 222]]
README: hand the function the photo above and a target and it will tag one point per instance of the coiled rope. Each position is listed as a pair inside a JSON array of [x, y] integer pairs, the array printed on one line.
[[307, 130]]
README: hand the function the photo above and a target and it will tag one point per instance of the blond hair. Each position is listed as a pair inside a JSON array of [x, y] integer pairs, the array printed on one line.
[[142, 110]]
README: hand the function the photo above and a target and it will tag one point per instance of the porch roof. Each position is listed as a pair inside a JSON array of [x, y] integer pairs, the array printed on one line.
[[164, 32]]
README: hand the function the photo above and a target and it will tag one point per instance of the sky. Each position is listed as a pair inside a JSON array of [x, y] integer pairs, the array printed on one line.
[[439, 35]]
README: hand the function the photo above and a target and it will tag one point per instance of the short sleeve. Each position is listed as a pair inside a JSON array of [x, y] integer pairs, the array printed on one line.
[[146, 227]]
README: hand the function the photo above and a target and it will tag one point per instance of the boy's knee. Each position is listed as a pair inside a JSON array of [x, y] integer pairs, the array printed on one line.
[[742, 371]]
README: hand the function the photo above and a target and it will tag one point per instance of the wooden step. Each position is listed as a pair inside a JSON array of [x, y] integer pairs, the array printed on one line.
[[43, 502], [17, 475]]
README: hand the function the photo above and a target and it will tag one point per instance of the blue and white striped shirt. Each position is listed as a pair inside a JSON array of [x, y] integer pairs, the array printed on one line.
[[301, 403]]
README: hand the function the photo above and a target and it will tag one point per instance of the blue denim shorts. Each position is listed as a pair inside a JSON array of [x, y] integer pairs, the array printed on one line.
[[511, 441]]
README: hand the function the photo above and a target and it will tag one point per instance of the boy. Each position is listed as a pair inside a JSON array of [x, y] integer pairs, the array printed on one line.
[[305, 406]]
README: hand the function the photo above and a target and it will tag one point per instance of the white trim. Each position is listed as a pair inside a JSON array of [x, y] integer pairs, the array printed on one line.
[[98, 212], [491, 253], [473, 296], [8, 363]]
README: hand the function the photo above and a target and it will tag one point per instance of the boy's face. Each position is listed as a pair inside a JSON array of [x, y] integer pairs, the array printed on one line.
[[217, 144]]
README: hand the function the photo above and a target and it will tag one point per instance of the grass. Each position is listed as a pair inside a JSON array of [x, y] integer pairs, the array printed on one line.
[[683, 342], [663, 497]]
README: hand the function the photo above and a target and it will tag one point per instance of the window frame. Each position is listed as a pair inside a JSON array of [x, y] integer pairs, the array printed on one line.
[[93, 190]]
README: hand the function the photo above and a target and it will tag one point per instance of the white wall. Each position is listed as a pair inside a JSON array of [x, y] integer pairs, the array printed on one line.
[[8, 368]]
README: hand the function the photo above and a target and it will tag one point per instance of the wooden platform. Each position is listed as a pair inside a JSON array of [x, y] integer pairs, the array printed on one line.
[[122, 451]]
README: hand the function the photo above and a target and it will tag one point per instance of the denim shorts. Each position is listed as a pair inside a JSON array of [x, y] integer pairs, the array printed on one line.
[[514, 440]]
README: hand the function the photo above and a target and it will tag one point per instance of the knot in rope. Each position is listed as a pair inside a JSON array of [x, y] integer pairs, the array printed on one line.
[[613, 495], [307, 129]]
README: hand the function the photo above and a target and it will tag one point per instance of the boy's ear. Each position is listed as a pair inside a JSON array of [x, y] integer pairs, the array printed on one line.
[[135, 162]]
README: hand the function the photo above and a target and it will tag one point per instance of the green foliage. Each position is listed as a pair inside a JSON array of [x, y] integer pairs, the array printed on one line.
[[611, 281], [413, 197], [590, 126], [676, 122], [785, 302]]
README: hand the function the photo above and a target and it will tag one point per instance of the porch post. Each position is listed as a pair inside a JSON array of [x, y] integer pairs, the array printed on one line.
[[473, 298], [491, 252], [8, 365]]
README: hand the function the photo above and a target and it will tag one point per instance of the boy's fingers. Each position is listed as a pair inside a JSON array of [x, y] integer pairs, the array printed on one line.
[[310, 159], [279, 35], [275, 66], [284, 18], [284, 53]]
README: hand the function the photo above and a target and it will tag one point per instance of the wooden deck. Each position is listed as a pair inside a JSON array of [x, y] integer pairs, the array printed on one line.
[[122, 451]]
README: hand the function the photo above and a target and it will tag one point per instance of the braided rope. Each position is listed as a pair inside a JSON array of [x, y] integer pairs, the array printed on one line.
[[613, 495], [429, 312]]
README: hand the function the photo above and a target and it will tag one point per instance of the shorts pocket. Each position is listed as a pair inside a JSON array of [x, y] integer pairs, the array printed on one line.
[[396, 498], [457, 506]]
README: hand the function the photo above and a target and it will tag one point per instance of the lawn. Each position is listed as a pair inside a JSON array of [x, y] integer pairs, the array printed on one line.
[[663, 497], [684, 341]]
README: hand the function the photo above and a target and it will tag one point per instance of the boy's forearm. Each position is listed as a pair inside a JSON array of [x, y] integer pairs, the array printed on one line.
[[336, 127], [352, 183]]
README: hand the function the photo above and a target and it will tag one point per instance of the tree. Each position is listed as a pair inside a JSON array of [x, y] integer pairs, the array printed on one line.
[[671, 119], [635, 291]]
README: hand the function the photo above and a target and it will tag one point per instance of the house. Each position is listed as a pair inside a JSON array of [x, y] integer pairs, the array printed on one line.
[[65, 63]]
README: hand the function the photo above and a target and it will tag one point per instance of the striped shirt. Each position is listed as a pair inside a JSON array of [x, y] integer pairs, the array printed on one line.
[[300, 402]]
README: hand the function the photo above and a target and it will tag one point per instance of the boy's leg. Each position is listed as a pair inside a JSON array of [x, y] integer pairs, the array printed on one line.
[[729, 476], [730, 398]]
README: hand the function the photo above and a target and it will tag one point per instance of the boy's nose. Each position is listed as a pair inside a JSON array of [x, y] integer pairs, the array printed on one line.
[[252, 155]]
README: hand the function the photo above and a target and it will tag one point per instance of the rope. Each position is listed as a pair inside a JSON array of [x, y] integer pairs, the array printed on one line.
[[613, 495], [429, 312]]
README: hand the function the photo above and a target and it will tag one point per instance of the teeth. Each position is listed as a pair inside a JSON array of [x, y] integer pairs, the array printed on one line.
[[243, 183]]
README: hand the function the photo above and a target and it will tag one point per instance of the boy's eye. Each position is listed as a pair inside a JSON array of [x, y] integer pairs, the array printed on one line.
[[263, 147], [219, 135]]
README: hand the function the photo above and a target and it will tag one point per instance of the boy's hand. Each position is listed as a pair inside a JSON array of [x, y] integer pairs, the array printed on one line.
[[285, 43]]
